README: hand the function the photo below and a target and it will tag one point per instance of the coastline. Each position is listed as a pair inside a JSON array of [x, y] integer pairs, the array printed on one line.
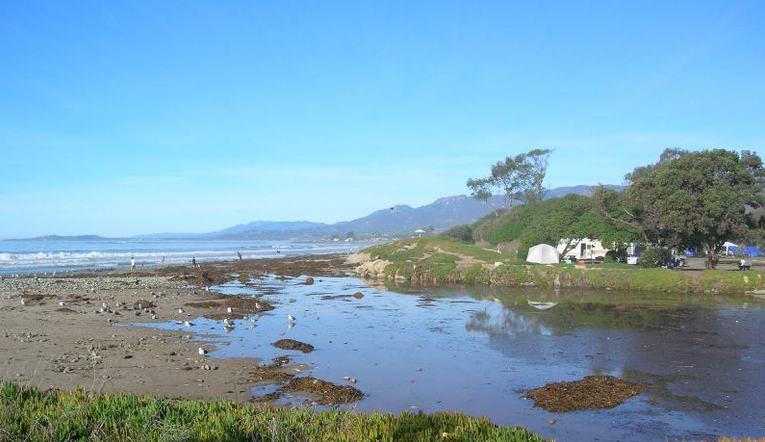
[[74, 345]]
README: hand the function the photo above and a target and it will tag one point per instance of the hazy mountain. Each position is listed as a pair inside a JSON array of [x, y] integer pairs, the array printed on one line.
[[397, 220], [440, 214], [578, 190], [64, 238], [270, 226]]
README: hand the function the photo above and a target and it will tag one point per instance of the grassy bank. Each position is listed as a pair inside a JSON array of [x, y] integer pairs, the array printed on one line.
[[436, 261], [31, 415]]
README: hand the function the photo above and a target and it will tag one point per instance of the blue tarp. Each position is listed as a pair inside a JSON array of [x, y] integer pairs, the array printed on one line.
[[747, 251], [752, 251]]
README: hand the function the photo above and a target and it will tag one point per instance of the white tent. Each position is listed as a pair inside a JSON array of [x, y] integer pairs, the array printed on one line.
[[543, 254]]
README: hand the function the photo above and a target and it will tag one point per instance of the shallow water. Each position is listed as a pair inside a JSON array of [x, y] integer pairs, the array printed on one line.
[[477, 350]]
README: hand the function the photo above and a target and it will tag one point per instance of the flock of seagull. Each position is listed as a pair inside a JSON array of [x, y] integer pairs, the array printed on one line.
[[228, 324]]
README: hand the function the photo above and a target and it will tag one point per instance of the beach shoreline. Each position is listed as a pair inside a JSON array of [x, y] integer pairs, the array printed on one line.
[[76, 331]]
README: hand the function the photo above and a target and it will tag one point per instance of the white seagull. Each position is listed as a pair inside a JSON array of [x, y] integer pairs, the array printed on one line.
[[290, 318], [180, 310], [202, 351], [188, 323], [229, 310]]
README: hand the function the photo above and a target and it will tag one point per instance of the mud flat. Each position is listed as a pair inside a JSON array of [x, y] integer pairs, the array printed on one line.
[[74, 331]]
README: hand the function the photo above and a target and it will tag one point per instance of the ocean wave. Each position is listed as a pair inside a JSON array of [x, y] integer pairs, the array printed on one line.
[[32, 261]]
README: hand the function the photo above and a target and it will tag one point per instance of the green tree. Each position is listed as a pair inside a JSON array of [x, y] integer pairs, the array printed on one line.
[[694, 199], [619, 210], [520, 177]]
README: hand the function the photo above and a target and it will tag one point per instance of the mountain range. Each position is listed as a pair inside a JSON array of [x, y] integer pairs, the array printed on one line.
[[401, 220], [441, 214]]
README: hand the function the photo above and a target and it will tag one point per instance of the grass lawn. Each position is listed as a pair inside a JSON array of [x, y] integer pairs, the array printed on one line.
[[438, 260]]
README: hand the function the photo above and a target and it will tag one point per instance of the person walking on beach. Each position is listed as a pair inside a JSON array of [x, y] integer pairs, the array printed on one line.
[[239, 255], [193, 262], [132, 263]]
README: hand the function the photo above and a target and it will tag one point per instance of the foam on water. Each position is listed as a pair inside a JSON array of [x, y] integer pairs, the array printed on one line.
[[45, 256]]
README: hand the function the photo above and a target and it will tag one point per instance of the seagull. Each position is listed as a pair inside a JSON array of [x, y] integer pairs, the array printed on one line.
[[188, 323], [23, 301], [104, 305], [229, 310], [290, 318], [180, 310], [202, 351], [61, 303], [257, 306], [227, 322], [207, 289]]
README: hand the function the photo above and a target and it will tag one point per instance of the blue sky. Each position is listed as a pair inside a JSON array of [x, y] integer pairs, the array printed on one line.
[[120, 118]]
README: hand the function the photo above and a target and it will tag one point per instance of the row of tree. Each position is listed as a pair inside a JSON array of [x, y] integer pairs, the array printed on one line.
[[686, 199]]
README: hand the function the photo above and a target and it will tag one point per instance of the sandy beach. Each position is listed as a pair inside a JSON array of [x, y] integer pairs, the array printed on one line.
[[74, 331]]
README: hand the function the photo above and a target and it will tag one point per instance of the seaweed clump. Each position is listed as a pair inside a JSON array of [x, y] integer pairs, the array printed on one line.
[[589, 393]]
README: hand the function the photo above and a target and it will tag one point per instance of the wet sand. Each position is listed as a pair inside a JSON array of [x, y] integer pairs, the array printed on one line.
[[73, 331]]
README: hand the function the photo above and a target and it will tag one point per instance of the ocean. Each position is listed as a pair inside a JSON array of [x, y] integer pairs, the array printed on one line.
[[47, 256]]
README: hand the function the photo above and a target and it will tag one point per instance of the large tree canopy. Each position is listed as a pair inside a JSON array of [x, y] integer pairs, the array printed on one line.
[[692, 199], [519, 177]]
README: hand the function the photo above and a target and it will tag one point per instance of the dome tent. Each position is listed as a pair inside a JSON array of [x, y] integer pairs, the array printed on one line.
[[543, 254]]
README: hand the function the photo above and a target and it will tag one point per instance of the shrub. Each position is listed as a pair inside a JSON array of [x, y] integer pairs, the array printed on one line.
[[617, 255], [463, 232], [654, 257]]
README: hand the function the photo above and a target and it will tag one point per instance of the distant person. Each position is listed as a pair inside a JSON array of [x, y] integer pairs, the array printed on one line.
[[744, 264], [239, 255], [193, 262], [163, 259], [132, 263]]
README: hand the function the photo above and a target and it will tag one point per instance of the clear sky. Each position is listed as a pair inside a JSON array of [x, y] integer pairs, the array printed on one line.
[[119, 118]]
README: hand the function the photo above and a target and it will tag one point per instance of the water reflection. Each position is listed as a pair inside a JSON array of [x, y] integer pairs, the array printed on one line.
[[475, 350]]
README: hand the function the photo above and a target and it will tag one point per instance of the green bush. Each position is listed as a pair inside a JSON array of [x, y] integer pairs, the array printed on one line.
[[463, 232], [654, 257], [618, 255]]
